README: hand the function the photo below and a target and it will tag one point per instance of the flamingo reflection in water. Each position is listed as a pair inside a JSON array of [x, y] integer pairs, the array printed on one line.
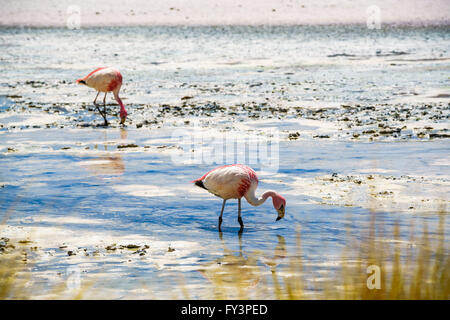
[[242, 271], [110, 165]]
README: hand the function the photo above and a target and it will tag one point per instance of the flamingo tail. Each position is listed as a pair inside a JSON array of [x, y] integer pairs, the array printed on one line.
[[200, 184]]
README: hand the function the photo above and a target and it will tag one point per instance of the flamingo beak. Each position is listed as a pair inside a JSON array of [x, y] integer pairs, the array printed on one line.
[[122, 119], [280, 212]]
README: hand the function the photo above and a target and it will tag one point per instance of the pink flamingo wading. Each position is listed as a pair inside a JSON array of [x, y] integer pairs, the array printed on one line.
[[105, 79], [234, 182]]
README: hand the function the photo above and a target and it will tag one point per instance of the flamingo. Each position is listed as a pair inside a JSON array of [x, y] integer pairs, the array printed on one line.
[[105, 79], [234, 182]]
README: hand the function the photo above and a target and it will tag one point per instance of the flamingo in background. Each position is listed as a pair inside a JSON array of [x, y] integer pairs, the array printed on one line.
[[105, 79], [234, 182]]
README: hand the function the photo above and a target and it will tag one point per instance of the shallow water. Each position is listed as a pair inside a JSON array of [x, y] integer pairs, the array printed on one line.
[[69, 185]]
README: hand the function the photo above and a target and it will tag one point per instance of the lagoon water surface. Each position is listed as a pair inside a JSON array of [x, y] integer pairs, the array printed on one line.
[[361, 121]]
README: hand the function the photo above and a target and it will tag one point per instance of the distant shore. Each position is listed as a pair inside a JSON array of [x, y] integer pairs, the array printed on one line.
[[49, 13]]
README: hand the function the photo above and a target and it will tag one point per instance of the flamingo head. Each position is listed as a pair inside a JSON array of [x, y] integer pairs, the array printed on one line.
[[279, 203], [123, 116]]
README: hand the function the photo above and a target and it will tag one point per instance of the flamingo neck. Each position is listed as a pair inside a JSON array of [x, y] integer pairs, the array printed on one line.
[[254, 201], [119, 101]]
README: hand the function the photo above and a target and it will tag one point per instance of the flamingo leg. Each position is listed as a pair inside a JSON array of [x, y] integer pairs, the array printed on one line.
[[104, 109], [104, 102], [95, 100], [239, 216], [103, 114], [221, 213]]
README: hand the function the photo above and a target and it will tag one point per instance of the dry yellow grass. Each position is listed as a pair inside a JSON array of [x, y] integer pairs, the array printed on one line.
[[409, 270]]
